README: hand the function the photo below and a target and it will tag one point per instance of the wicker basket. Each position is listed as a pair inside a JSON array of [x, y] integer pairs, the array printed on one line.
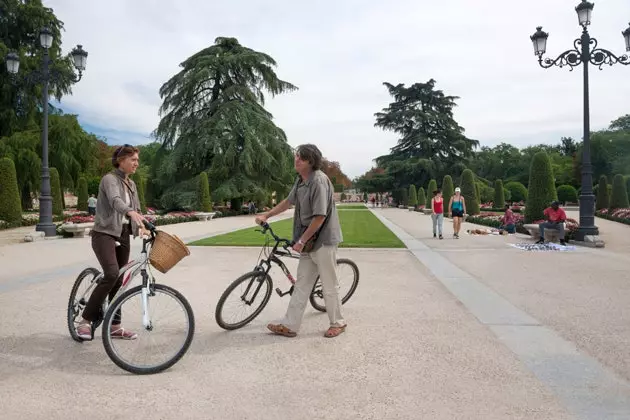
[[167, 250]]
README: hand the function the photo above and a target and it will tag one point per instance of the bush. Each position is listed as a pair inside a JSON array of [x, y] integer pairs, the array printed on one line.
[[10, 204], [486, 193], [603, 197], [447, 190], [432, 187], [404, 197], [518, 191], [55, 191], [140, 186], [365, 196], [422, 197], [507, 194], [567, 194], [542, 189], [338, 187], [343, 196], [628, 185], [93, 185], [82, 195], [619, 199], [499, 194], [204, 202], [468, 187], [413, 196]]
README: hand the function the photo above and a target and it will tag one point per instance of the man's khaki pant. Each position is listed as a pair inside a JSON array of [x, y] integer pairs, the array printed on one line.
[[322, 262]]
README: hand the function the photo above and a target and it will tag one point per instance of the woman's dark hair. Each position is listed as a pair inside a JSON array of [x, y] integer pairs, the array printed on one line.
[[437, 191], [122, 152], [507, 206], [310, 152]]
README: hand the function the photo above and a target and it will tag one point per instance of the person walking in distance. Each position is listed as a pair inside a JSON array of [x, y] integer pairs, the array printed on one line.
[[315, 222], [437, 209], [457, 207], [117, 217]]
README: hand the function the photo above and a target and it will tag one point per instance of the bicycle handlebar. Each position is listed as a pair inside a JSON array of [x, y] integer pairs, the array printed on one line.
[[266, 227]]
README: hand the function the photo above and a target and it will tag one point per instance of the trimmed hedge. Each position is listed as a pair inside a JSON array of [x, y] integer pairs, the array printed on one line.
[[10, 203], [603, 197], [567, 194], [518, 191], [413, 196], [542, 189], [447, 190], [619, 199], [499, 194], [469, 192], [404, 197], [432, 187], [55, 191], [422, 197], [82, 195]]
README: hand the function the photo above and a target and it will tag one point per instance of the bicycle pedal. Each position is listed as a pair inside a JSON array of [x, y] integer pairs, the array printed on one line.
[[279, 292]]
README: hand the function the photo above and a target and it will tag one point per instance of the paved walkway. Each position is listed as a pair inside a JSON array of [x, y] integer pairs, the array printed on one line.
[[415, 348]]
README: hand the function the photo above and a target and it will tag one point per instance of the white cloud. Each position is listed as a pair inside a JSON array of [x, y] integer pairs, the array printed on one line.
[[339, 53]]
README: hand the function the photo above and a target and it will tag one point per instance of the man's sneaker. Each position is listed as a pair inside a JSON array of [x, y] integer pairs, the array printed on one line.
[[541, 241], [563, 242], [434, 235]]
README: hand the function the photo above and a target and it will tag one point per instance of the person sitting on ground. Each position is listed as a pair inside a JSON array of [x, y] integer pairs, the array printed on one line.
[[508, 221], [555, 218]]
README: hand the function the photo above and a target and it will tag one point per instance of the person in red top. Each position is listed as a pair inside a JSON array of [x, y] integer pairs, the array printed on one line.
[[437, 212], [508, 221], [555, 218]]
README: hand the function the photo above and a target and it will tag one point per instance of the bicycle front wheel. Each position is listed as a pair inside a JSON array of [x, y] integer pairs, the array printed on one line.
[[348, 275], [160, 342], [241, 294]]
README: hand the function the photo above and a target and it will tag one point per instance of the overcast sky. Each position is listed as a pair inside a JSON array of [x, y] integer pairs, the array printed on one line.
[[340, 52]]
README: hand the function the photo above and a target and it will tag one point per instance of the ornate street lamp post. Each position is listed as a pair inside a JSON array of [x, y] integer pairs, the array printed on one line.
[[44, 76], [585, 51]]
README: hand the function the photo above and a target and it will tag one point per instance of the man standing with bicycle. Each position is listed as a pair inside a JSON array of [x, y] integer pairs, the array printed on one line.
[[316, 235]]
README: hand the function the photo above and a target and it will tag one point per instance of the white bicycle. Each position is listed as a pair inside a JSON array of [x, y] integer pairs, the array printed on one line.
[[148, 353]]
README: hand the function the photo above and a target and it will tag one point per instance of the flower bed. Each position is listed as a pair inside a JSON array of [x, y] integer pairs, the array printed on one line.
[[494, 220], [617, 215], [516, 207]]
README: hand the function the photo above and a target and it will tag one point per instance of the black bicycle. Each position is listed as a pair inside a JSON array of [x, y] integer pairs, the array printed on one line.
[[251, 284]]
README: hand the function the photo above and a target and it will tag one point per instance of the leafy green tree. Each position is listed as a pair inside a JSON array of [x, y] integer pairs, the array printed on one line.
[[619, 198], [413, 196], [55, 188], [542, 189], [621, 124], [404, 197], [447, 190], [205, 203], [603, 197], [422, 197], [82, 196], [499, 195], [468, 191], [214, 120], [430, 140], [10, 208], [567, 194]]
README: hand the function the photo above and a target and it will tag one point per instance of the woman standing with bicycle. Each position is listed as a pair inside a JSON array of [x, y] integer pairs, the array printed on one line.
[[117, 218], [316, 235]]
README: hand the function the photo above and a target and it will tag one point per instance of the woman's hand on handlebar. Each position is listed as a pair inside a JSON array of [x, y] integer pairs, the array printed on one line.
[[136, 217]]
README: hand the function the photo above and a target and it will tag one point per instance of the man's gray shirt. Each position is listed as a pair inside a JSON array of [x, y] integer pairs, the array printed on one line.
[[316, 199]]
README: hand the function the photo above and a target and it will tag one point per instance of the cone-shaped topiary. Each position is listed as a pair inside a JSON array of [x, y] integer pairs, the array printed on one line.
[[619, 199], [567, 194], [542, 189], [628, 185], [469, 192], [55, 191], [499, 195], [10, 205], [413, 196], [603, 198], [82, 195], [404, 196], [140, 187], [203, 193], [447, 190], [422, 197], [432, 187]]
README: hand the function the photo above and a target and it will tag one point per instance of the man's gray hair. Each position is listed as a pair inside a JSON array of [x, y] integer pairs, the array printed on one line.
[[311, 153]]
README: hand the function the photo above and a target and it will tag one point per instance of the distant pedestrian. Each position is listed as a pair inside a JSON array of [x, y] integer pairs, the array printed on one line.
[[437, 212], [457, 207], [92, 205]]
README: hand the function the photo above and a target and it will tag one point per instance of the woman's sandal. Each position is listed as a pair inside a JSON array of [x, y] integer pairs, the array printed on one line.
[[280, 329], [84, 332], [334, 331], [123, 334]]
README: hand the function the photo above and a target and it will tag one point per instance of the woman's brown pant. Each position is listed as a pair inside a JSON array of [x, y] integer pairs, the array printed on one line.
[[111, 258]]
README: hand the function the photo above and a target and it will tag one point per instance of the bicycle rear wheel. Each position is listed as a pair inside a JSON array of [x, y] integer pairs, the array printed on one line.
[[348, 274], [81, 291], [249, 286], [149, 352]]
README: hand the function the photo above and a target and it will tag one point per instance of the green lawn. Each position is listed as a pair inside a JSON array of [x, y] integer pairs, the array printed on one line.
[[360, 230], [352, 207]]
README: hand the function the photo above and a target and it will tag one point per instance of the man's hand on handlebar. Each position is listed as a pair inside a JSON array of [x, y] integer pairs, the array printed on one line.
[[261, 219]]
